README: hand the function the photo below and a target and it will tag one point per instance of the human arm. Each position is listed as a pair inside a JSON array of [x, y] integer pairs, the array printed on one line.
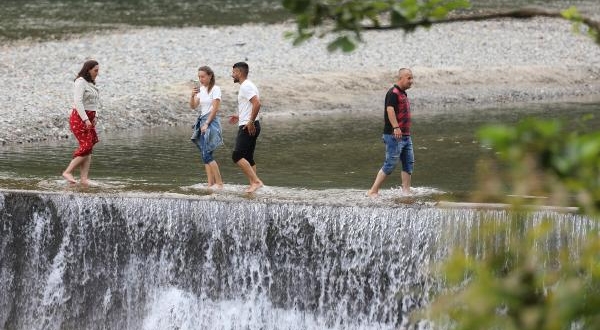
[[255, 109], [194, 101], [78, 90], [211, 116], [391, 114]]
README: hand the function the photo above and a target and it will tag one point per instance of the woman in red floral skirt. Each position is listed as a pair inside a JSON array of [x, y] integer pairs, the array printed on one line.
[[83, 121]]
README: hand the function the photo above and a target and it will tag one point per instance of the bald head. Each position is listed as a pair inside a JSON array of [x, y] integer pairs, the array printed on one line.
[[405, 78]]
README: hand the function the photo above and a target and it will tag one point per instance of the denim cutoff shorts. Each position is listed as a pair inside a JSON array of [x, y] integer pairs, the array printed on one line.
[[398, 150]]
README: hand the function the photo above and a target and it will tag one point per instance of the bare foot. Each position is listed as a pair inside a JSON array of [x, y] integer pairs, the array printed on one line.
[[85, 182], [216, 186], [372, 194], [69, 177], [254, 186]]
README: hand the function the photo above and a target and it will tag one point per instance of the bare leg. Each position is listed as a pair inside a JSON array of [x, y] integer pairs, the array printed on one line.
[[209, 175], [374, 191], [216, 174], [250, 173], [68, 173], [405, 182], [85, 170]]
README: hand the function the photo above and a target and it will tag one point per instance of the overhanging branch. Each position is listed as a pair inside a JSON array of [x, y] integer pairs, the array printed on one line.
[[522, 13]]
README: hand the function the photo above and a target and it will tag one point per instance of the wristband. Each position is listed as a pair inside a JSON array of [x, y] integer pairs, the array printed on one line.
[[396, 127]]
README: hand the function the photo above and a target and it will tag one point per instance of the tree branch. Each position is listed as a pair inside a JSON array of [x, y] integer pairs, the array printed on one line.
[[523, 13]]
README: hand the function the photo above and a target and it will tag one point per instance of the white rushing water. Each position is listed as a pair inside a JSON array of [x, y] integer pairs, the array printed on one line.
[[90, 261]]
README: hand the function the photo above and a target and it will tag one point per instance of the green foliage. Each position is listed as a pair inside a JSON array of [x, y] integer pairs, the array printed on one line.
[[545, 158], [573, 15], [513, 283], [348, 18], [517, 286]]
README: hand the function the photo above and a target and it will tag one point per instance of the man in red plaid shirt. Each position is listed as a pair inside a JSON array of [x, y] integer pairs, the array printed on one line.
[[396, 134]]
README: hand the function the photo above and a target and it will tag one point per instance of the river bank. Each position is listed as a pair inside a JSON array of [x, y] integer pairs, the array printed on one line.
[[145, 75]]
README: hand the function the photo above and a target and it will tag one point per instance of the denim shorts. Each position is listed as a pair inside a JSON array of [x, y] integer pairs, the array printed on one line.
[[398, 150]]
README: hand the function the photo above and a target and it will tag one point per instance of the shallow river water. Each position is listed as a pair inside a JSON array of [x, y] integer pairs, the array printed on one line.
[[313, 152]]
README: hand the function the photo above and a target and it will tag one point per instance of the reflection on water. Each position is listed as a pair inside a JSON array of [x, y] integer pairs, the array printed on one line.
[[54, 19], [317, 153]]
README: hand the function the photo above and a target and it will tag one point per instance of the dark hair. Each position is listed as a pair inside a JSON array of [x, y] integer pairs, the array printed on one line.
[[243, 67], [209, 72], [85, 71]]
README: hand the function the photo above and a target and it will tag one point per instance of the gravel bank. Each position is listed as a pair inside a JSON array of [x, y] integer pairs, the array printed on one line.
[[145, 74]]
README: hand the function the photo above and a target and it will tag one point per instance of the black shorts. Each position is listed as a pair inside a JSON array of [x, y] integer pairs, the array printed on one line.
[[245, 144]]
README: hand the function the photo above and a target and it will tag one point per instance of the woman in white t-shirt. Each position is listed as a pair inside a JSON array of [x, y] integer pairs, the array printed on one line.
[[207, 130]]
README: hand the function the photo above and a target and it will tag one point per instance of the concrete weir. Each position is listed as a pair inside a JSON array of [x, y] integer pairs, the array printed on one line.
[[91, 261]]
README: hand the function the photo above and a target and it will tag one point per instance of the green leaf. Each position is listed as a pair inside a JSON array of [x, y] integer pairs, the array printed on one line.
[[296, 6], [380, 6], [458, 4], [571, 14], [289, 34], [439, 13], [409, 9], [495, 134], [397, 19], [300, 38], [344, 43]]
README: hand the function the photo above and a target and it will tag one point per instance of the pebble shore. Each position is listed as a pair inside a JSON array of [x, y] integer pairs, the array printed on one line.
[[146, 74]]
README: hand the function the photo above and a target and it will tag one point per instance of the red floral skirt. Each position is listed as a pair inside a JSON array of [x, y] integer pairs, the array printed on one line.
[[86, 137]]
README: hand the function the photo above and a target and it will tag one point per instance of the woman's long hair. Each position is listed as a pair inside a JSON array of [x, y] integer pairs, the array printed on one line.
[[209, 72], [85, 71]]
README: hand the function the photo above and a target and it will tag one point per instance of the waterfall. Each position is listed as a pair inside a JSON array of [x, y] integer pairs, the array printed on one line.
[[89, 261]]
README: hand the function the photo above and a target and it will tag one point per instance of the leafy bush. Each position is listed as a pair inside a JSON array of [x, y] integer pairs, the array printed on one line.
[[515, 284]]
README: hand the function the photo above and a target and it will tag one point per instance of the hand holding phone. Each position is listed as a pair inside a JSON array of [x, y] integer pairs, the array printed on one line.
[[196, 88]]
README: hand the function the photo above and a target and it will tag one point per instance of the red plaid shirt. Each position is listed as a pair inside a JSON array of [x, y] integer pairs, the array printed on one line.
[[397, 99]]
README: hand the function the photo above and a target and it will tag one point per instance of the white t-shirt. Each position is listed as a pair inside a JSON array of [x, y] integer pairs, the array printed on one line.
[[247, 91], [207, 98]]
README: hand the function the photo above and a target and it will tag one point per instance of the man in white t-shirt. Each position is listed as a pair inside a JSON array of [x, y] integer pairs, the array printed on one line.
[[248, 125]]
